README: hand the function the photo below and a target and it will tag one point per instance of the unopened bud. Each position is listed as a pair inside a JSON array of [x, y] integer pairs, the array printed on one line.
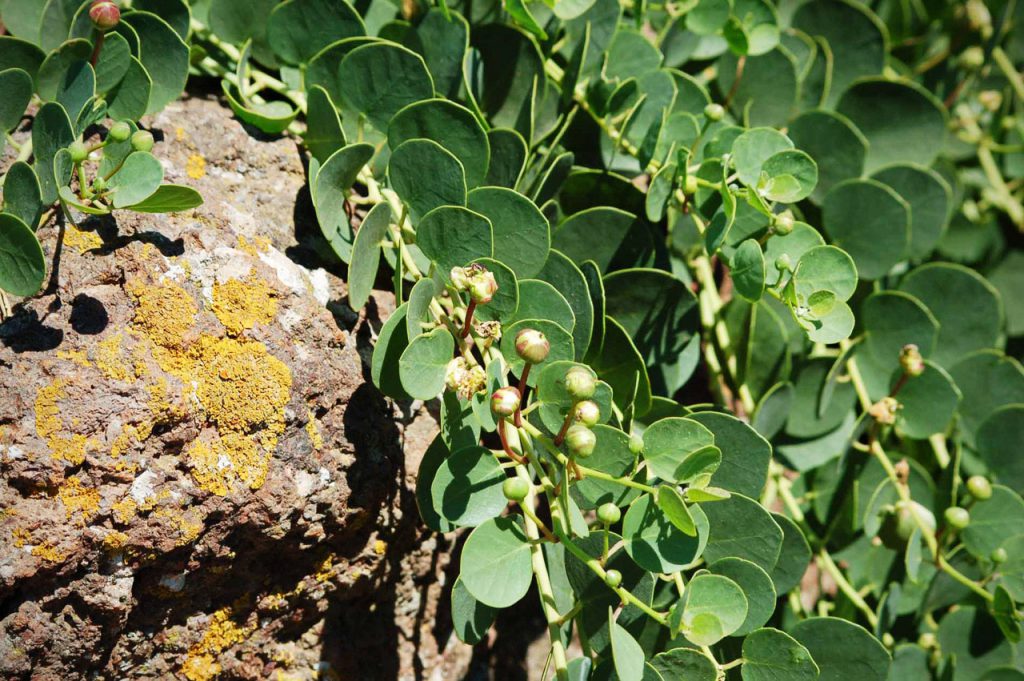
[[79, 152], [505, 402], [979, 487], [482, 287], [991, 99], [636, 445], [119, 132], [957, 518], [783, 263], [515, 489], [490, 329], [580, 383], [972, 58], [142, 140], [613, 578], [884, 411], [714, 112], [927, 640], [999, 556], [588, 413], [690, 185], [104, 14], [460, 278], [911, 360], [608, 513], [784, 223], [580, 440], [532, 346]]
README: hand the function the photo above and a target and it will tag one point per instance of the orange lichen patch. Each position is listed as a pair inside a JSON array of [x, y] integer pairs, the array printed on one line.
[[80, 240], [110, 358], [223, 632], [241, 305], [195, 167], [164, 313], [259, 244], [180, 134], [76, 497], [222, 465], [79, 357], [124, 510], [70, 447]]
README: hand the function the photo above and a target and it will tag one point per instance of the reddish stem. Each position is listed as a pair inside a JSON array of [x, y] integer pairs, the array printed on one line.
[[522, 388], [469, 318], [96, 50], [504, 444], [565, 427]]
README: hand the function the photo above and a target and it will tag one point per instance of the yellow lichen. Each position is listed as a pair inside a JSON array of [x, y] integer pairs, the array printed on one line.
[[241, 305], [80, 240], [76, 497], [124, 510], [223, 632], [70, 447], [315, 437], [380, 547], [110, 360], [21, 537], [79, 357], [164, 313], [115, 541], [49, 553], [259, 244], [196, 167], [326, 571]]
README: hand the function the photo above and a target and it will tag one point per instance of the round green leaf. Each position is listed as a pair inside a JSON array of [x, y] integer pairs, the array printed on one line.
[[16, 53], [755, 585], [792, 176], [452, 126], [425, 175], [987, 380], [470, 617], [753, 148], [568, 279], [540, 300], [653, 541], [958, 633], [164, 56], [810, 416], [298, 29], [22, 266], [21, 194], [715, 607], [745, 454], [627, 655], [51, 131], [993, 521], [466, 490], [366, 254], [16, 85], [836, 145], [453, 236], [506, 300], [742, 528], [137, 180], [826, 268], [593, 234], [869, 221], [748, 271], [129, 99], [793, 558], [802, 239], [495, 564], [928, 403], [271, 117], [622, 367], [893, 319], [685, 663], [842, 650], [998, 445], [422, 364], [382, 78], [773, 655], [767, 92], [521, 234], [392, 340], [930, 199], [669, 442], [508, 156]]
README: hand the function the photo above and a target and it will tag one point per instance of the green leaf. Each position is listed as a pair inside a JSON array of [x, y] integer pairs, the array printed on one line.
[[22, 197], [392, 341], [22, 266], [622, 367], [987, 380], [452, 126], [137, 180], [930, 199], [742, 528], [958, 631], [271, 117], [772, 655], [169, 198], [902, 121], [454, 236], [238, 20], [792, 176], [366, 254], [653, 541], [298, 29], [836, 145], [164, 57], [495, 564], [670, 442], [714, 607], [324, 70], [993, 521], [594, 234], [16, 53], [521, 15], [466, 489], [748, 270], [508, 157], [1005, 613], [838, 646], [16, 85], [540, 300], [417, 318], [521, 234], [927, 405], [22, 18], [113, 63], [756, 586], [129, 99], [506, 301], [612, 456], [330, 192], [871, 222], [51, 131], [671, 503], [425, 175], [627, 654], [558, 337], [745, 454], [470, 617], [568, 279], [443, 39], [175, 12], [685, 663], [431, 462], [422, 365], [753, 148], [367, 67]]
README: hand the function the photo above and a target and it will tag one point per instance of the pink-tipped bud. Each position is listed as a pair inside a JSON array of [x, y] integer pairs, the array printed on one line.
[[588, 413], [482, 287], [505, 402], [580, 383], [532, 346], [580, 440], [104, 14]]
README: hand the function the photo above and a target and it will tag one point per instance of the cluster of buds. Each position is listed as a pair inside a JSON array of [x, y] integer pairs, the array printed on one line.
[[911, 360], [477, 280], [884, 410], [104, 14], [465, 379], [580, 384]]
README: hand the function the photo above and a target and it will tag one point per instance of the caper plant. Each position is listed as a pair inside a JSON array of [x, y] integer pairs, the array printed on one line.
[[715, 296], [88, 72]]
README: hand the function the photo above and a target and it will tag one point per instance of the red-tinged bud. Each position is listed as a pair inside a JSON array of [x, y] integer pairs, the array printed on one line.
[[104, 14], [532, 346], [580, 440], [505, 401]]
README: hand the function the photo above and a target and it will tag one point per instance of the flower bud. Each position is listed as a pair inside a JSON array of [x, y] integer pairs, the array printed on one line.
[[460, 278], [999, 556], [515, 489], [580, 383], [119, 132], [104, 14], [784, 223], [884, 410], [979, 487], [99, 184], [142, 140], [957, 518], [505, 402], [580, 440], [888, 641], [482, 287], [79, 152], [608, 513], [613, 578], [532, 346], [972, 58], [714, 112], [636, 445], [783, 263], [588, 413], [926, 640], [991, 99], [911, 360], [690, 185]]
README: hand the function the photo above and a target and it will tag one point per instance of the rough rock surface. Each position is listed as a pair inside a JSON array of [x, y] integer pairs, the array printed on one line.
[[197, 480]]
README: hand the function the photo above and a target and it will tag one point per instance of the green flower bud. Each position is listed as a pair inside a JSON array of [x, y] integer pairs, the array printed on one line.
[[926, 640], [957, 518], [784, 223], [79, 152], [911, 360], [580, 383], [608, 513], [580, 440], [483, 287], [887, 640], [515, 489], [104, 14], [999, 556], [505, 402], [588, 413], [532, 346], [142, 140], [460, 278], [972, 58], [783, 263], [690, 185], [991, 99], [979, 487], [613, 578], [714, 112], [636, 445], [119, 132]]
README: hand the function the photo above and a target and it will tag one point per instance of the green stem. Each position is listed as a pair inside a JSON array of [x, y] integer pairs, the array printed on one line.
[[547, 595], [826, 563], [1003, 195], [1006, 66]]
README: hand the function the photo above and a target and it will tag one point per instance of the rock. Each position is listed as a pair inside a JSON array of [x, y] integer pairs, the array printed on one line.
[[197, 479]]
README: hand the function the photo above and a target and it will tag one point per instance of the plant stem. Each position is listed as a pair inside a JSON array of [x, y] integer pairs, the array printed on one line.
[[826, 563], [547, 596], [1006, 66]]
